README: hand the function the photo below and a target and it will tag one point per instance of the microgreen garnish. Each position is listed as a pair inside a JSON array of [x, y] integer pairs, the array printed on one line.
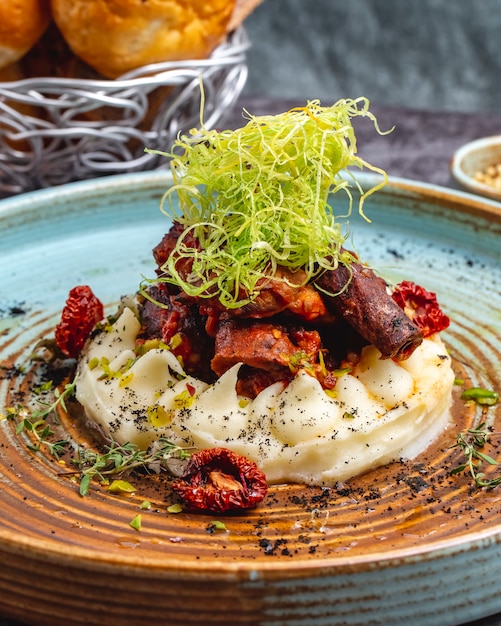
[[41, 431], [117, 459], [35, 423], [471, 443], [473, 440]]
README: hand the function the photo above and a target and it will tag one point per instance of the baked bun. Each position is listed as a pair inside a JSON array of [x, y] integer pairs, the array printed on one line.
[[22, 23], [116, 36]]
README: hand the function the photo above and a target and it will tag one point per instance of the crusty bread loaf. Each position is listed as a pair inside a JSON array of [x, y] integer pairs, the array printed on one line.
[[115, 36], [22, 23]]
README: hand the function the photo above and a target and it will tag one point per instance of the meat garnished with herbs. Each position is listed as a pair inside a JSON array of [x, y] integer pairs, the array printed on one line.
[[286, 290], [287, 325], [261, 334]]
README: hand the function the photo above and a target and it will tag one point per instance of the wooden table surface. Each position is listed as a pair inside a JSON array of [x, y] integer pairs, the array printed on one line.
[[419, 148]]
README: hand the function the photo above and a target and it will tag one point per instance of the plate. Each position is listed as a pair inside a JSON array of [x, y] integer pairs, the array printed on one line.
[[399, 542]]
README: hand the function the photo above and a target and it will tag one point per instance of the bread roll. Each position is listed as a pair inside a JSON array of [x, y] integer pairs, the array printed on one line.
[[22, 23], [52, 57], [116, 36]]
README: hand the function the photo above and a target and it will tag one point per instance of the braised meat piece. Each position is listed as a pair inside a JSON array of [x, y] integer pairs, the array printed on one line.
[[163, 250], [263, 345], [284, 291], [180, 326], [251, 381], [153, 315], [362, 299]]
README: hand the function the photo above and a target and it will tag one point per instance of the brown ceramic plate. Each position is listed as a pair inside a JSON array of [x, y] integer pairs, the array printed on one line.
[[403, 541]]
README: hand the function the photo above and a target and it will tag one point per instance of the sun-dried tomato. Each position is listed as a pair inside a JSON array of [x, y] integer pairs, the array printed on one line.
[[220, 480], [81, 313], [421, 307]]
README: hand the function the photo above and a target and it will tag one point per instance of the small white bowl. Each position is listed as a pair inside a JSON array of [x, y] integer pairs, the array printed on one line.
[[474, 157]]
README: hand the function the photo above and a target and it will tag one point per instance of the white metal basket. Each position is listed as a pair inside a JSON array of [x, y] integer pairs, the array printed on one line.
[[65, 140]]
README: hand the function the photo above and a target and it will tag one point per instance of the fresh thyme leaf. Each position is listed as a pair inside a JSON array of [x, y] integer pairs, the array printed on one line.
[[85, 484], [60, 400], [43, 388], [35, 423]]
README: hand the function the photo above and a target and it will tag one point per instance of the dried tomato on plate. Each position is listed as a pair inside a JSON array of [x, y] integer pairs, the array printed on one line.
[[220, 480], [82, 311], [421, 307]]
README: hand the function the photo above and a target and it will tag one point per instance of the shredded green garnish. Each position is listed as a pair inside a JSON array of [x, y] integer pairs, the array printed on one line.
[[258, 197]]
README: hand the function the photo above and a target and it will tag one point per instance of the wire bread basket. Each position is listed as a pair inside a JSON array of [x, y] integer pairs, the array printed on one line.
[[79, 128]]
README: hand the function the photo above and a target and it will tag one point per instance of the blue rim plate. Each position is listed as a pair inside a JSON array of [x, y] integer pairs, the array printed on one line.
[[404, 541]]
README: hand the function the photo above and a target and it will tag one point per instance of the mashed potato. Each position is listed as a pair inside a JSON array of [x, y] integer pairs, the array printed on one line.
[[380, 411]]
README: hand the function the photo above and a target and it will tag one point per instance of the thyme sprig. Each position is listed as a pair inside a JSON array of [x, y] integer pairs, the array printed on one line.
[[91, 465], [35, 422], [471, 443], [119, 459]]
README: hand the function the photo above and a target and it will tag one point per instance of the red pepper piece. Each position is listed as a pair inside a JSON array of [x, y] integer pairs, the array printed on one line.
[[220, 480], [421, 307], [81, 313]]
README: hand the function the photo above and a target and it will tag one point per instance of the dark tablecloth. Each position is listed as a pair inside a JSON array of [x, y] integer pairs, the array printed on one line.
[[419, 148]]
